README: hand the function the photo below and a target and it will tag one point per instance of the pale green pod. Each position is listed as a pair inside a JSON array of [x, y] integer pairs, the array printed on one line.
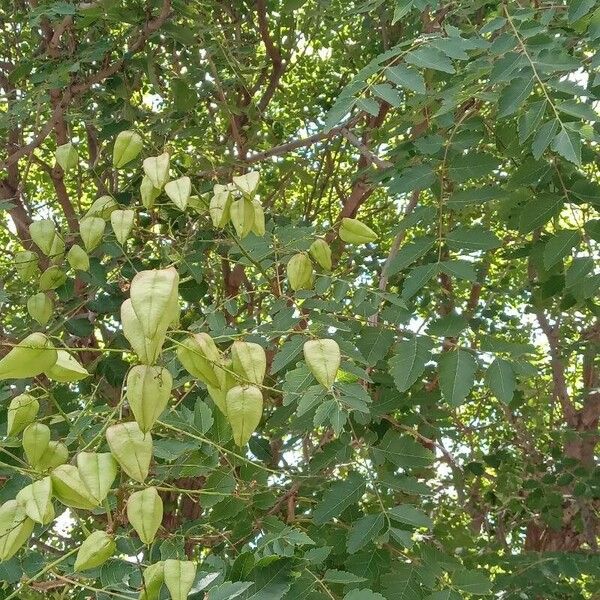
[[26, 264], [22, 411], [179, 191], [179, 577], [226, 382], [323, 359], [53, 277], [148, 192], [247, 183], [57, 250], [148, 393], [102, 207], [244, 411], [153, 580], [42, 234], [200, 356], [122, 223], [35, 442], [91, 230], [258, 226], [145, 513], [131, 448], [220, 209], [56, 454], [300, 272], [157, 169], [30, 357], [148, 350], [36, 498], [40, 307], [69, 488], [242, 216], [66, 156], [249, 361], [352, 231], [155, 298], [97, 470], [78, 258], [321, 253], [66, 369], [15, 528], [95, 550], [127, 147]]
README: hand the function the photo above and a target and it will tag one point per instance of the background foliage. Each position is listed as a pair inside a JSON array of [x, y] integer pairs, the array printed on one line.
[[456, 454]]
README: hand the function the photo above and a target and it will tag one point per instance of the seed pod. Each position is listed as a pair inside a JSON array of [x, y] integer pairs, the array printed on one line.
[[148, 192], [131, 448], [127, 146], [66, 368], [157, 169], [36, 498], [220, 209], [352, 231], [258, 227], [200, 357], [56, 454], [35, 441], [57, 251], [148, 392], [97, 471], [30, 357], [249, 361], [179, 577], [148, 350], [199, 203], [321, 253], [102, 207], [26, 264], [242, 216], [91, 230], [66, 156], [42, 234], [153, 580], [70, 489], [226, 382], [154, 298], [247, 183], [22, 411], [52, 278], [78, 258], [95, 550], [300, 272], [15, 528], [40, 307], [323, 359], [179, 191], [244, 410], [145, 513], [122, 222]]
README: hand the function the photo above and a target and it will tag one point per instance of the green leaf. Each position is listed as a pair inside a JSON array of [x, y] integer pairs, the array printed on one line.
[[568, 145], [579, 110], [543, 138], [408, 363], [417, 278], [410, 253], [472, 582], [418, 177], [472, 239], [363, 594], [514, 95], [538, 211], [338, 497], [409, 515], [500, 378], [457, 371], [427, 57], [529, 122], [560, 245], [363, 531], [472, 165], [406, 77], [386, 92], [402, 451], [403, 583], [448, 326], [461, 269], [335, 576]]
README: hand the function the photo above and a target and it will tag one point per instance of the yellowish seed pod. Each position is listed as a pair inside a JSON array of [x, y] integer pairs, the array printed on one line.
[[353, 231], [300, 272], [127, 146], [321, 253], [40, 307]]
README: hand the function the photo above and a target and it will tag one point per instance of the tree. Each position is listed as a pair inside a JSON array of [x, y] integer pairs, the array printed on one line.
[[299, 300]]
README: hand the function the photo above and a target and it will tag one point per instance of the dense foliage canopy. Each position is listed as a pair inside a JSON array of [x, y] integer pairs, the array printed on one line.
[[299, 299]]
